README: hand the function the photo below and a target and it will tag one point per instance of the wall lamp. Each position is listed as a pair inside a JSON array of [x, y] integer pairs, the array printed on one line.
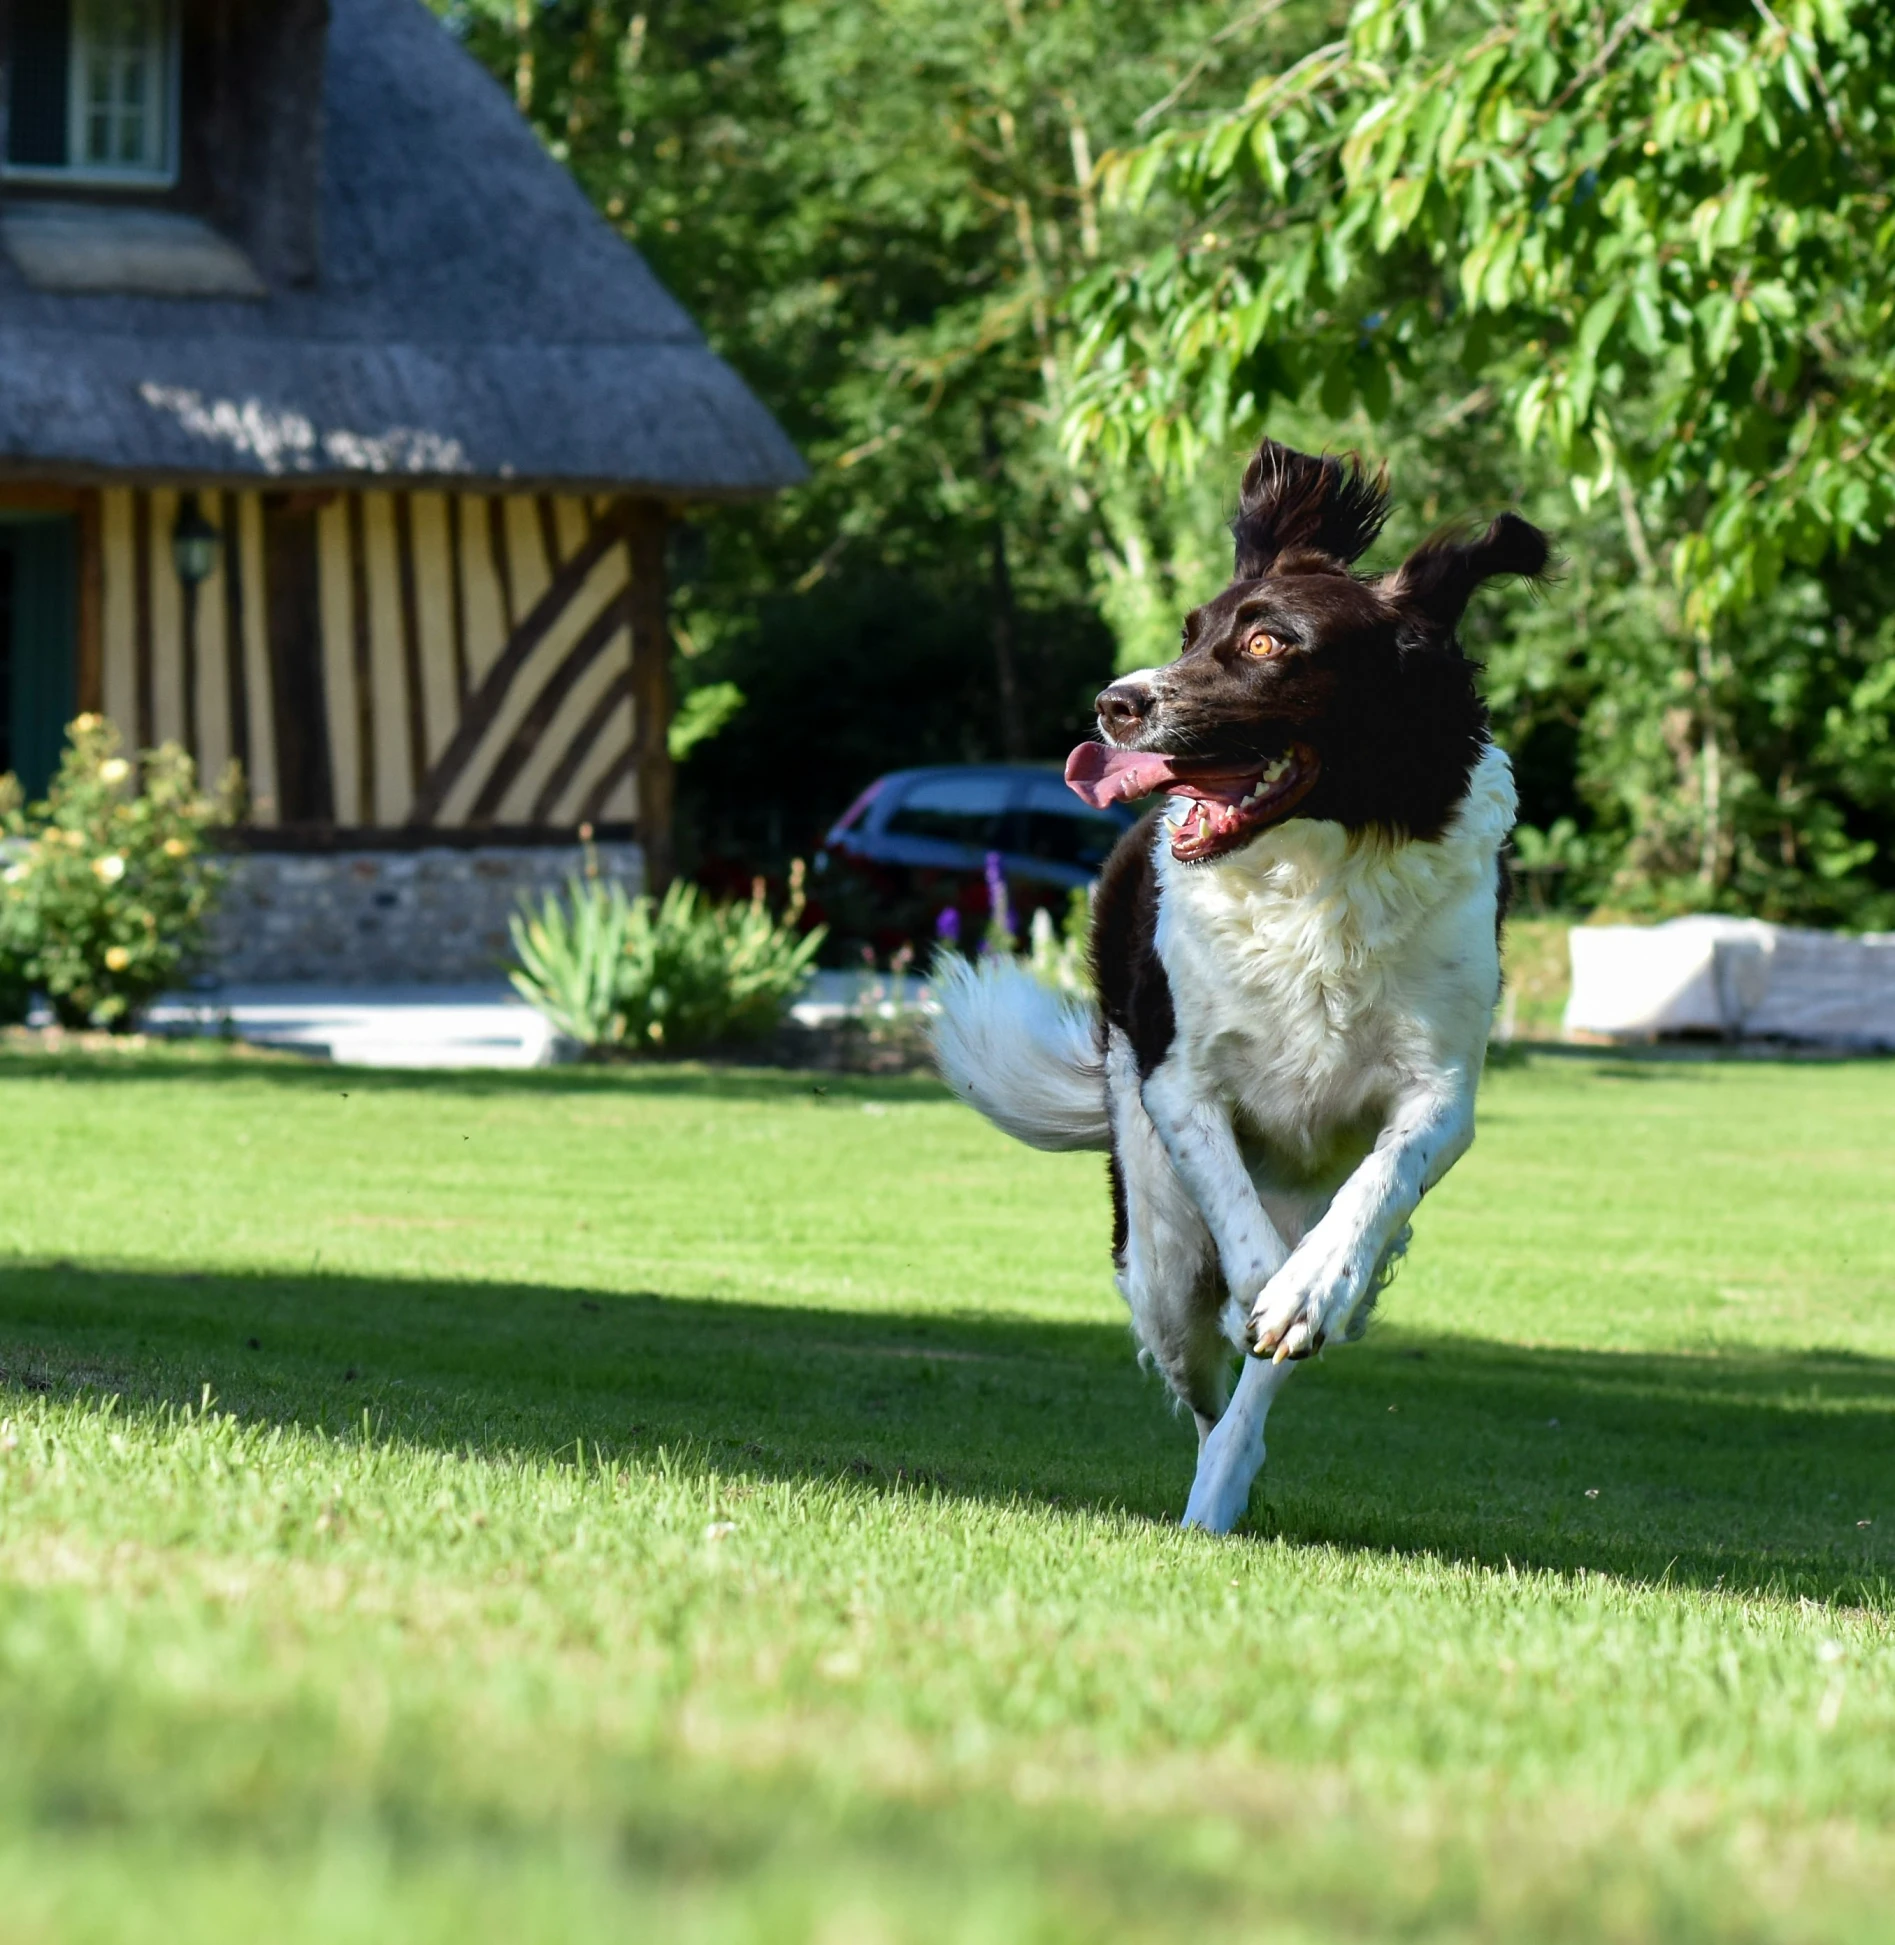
[[194, 544]]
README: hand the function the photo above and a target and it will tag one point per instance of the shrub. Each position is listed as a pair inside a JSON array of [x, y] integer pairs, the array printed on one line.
[[570, 957], [108, 895], [624, 974]]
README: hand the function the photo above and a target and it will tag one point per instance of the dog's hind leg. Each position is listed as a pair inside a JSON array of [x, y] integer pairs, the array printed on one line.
[[1231, 1455], [1166, 1261]]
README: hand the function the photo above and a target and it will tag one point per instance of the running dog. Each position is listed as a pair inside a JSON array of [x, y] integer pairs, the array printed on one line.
[[1296, 958]]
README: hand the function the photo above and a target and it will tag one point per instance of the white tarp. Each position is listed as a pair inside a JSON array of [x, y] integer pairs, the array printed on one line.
[[1739, 977]]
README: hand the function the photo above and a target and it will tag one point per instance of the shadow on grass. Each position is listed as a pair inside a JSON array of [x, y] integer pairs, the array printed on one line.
[[1749, 1472]]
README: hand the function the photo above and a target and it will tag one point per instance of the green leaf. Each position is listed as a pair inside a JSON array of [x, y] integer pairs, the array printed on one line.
[[1374, 383], [1793, 83], [1263, 145], [1648, 321], [1599, 319], [700, 715]]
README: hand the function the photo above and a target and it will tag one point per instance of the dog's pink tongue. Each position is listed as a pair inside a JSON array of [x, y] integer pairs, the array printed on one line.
[[1104, 776]]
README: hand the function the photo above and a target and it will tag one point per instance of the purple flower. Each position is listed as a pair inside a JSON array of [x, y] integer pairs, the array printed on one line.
[[999, 910], [947, 925]]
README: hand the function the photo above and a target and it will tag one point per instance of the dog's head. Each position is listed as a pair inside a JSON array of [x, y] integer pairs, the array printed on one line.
[[1304, 688]]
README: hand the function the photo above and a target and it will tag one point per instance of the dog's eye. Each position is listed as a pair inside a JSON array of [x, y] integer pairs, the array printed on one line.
[[1261, 642]]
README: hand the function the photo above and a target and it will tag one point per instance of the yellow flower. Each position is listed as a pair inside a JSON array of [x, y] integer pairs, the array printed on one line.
[[117, 958], [87, 723], [109, 869], [114, 770]]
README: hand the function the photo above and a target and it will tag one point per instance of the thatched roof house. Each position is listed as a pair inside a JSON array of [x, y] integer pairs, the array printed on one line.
[[337, 432]]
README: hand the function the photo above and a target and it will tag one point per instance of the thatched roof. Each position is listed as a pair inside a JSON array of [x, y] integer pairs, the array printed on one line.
[[474, 320]]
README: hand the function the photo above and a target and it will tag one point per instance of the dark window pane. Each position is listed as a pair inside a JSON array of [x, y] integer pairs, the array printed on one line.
[[953, 810], [40, 621], [1058, 827], [36, 97]]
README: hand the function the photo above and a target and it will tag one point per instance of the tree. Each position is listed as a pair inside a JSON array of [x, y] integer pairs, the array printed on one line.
[[876, 214], [1652, 241]]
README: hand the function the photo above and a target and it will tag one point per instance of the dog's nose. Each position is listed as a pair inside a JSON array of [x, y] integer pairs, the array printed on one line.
[[1123, 707]]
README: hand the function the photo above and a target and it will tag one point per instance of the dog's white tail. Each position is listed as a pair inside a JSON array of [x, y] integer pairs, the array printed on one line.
[[1026, 1057]]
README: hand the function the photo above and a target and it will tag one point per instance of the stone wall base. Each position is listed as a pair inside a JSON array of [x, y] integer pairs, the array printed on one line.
[[359, 918]]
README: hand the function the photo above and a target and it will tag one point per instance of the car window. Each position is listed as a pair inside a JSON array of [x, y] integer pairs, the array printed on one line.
[[952, 810], [1059, 828]]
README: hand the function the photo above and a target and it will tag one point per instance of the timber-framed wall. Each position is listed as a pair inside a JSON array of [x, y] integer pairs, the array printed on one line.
[[405, 666]]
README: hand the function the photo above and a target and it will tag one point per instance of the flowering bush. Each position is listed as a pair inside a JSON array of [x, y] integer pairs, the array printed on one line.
[[108, 884]]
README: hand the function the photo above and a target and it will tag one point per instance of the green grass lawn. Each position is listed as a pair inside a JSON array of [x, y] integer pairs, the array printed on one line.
[[725, 1506]]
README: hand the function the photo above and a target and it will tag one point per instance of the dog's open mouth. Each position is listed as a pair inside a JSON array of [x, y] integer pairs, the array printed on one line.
[[1216, 804]]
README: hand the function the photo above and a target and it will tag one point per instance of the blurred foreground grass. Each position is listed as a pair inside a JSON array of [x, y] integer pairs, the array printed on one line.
[[725, 1507]]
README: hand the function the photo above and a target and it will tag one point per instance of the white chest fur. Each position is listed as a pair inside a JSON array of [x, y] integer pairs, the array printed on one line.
[[1316, 975]]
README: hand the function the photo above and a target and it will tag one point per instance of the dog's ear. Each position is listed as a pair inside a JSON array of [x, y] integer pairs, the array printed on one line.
[[1435, 583], [1289, 500]]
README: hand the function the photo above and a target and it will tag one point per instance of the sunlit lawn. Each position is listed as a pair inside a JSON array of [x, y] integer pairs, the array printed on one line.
[[714, 1507]]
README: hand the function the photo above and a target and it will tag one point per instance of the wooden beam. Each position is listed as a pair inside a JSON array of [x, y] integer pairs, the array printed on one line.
[[364, 646], [544, 707], [89, 643], [145, 728], [29, 496], [485, 704], [457, 596], [651, 689], [411, 640], [500, 550], [572, 758], [187, 644], [292, 606], [237, 672], [624, 765], [549, 531]]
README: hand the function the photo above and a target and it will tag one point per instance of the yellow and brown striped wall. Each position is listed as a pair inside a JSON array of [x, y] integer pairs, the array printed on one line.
[[389, 662]]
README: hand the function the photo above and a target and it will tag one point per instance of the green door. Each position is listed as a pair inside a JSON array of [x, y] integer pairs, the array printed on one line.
[[37, 645]]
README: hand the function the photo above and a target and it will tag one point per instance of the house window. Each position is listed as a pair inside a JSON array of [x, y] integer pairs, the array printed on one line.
[[92, 91]]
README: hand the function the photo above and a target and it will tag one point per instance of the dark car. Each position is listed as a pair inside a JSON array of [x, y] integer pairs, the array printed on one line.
[[917, 841]]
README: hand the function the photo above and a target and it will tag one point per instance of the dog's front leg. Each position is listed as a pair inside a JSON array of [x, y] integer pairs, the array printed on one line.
[[1195, 1127], [1316, 1292], [1232, 1453]]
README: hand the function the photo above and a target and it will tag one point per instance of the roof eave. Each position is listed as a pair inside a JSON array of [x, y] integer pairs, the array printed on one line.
[[81, 474]]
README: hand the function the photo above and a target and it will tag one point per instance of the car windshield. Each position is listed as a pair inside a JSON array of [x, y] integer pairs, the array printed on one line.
[[1058, 827], [953, 810]]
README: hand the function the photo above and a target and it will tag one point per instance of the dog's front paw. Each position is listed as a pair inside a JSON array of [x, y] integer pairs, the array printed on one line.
[[1296, 1311]]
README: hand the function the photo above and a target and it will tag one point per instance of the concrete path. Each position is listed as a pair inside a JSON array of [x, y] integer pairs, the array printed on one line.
[[481, 1025], [484, 1024]]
